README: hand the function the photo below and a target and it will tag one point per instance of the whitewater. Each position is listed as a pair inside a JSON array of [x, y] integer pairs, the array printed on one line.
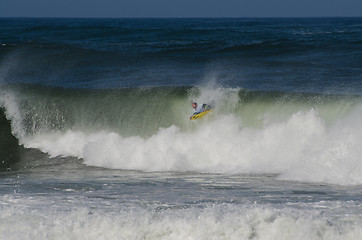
[[319, 142], [96, 141], [215, 173]]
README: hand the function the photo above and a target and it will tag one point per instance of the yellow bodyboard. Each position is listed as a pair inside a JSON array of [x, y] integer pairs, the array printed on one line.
[[200, 115]]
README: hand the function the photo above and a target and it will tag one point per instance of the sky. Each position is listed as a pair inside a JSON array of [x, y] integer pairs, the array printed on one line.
[[180, 8]]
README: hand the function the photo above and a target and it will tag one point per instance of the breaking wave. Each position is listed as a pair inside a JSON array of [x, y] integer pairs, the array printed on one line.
[[303, 137]]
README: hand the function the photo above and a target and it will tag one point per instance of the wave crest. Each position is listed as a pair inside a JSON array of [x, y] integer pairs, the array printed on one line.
[[298, 137]]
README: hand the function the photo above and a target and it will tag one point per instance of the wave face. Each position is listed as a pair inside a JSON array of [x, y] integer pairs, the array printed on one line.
[[95, 136], [304, 137], [9, 145], [116, 93]]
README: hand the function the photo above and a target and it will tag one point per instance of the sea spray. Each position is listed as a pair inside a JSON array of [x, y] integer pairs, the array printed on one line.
[[278, 158], [305, 137], [300, 148], [8, 102]]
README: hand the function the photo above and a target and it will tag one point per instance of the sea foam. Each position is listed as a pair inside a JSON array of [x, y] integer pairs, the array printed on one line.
[[300, 148], [212, 222], [295, 142]]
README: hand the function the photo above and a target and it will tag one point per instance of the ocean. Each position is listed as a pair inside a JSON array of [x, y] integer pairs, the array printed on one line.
[[96, 141]]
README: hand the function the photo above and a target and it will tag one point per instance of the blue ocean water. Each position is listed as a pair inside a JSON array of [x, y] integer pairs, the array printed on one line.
[[96, 141], [312, 54]]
